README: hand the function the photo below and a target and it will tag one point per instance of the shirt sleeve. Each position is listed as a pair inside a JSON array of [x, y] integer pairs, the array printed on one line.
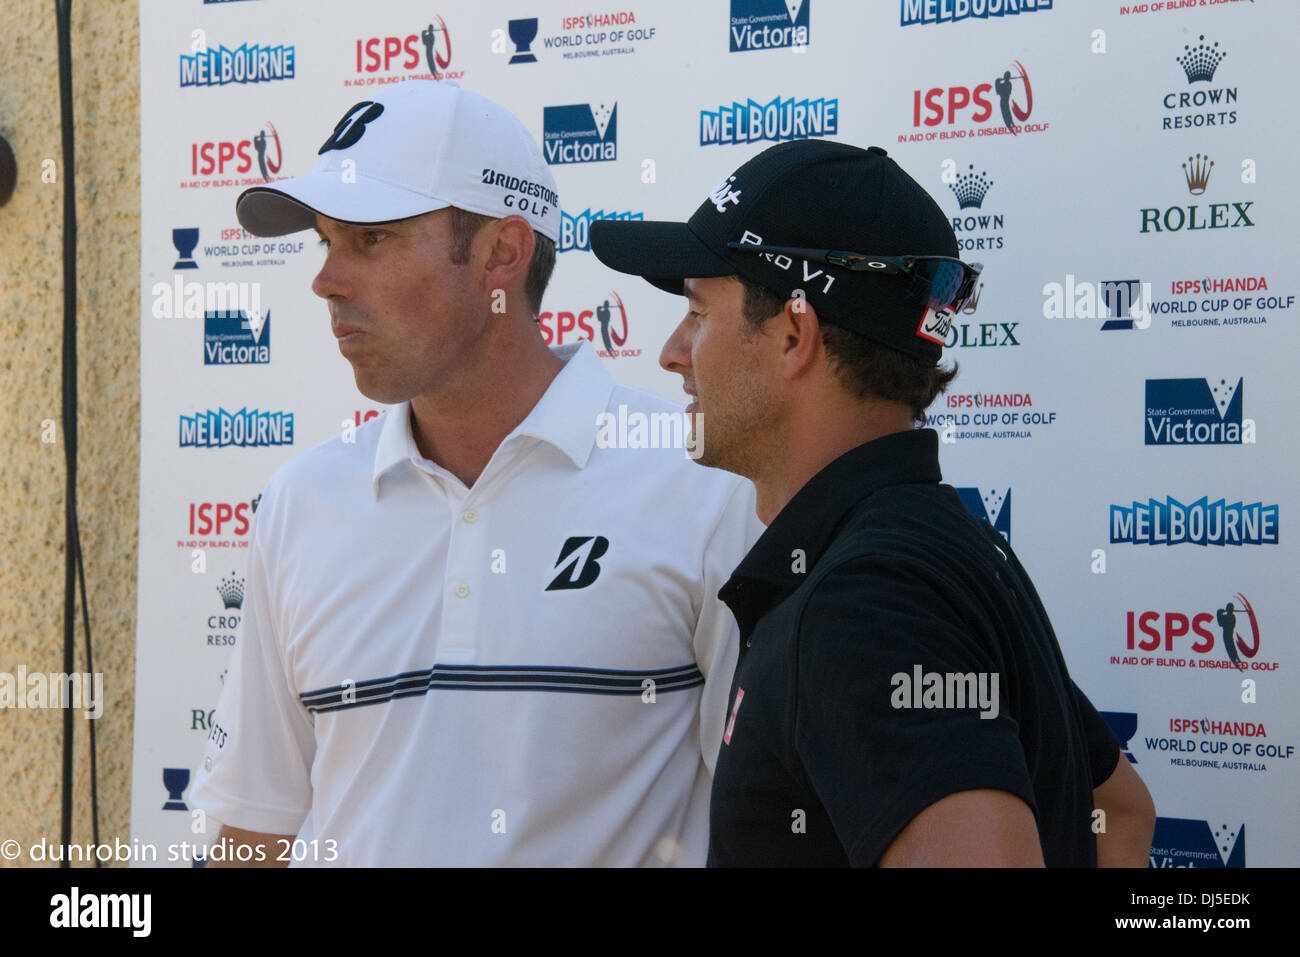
[[875, 755], [256, 769], [717, 637], [1103, 746]]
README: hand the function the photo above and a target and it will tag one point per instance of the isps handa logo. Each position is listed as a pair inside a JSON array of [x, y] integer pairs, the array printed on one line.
[[949, 106], [424, 52], [610, 316], [1201, 103], [1197, 170], [217, 162], [580, 133]]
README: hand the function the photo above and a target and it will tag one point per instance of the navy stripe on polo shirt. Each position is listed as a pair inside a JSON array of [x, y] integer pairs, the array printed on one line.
[[499, 678]]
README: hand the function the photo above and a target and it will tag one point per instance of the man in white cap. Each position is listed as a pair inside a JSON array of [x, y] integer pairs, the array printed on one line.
[[477, 635]]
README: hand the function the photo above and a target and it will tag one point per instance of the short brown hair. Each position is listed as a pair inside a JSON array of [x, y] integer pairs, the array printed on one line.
[[867, 368], [465, 226]]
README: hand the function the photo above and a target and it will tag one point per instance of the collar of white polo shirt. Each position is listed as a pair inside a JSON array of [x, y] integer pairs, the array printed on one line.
[[566, 416]]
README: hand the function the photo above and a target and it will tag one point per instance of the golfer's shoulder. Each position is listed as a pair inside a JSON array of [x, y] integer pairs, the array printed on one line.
[[337, 468], [644, 433]]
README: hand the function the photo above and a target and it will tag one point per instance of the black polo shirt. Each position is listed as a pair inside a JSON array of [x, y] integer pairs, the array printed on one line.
[[872, 578]]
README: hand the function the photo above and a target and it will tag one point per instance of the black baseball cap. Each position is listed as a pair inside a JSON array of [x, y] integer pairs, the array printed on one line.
[[769, 220]]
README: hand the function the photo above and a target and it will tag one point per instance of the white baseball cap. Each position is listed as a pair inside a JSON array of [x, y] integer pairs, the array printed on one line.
[[411, 148]]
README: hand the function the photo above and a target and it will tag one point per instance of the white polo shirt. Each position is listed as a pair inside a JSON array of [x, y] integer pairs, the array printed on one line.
[[531, 671]]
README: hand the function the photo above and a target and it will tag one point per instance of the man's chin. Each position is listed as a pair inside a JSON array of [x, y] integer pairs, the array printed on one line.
[[380, 392]]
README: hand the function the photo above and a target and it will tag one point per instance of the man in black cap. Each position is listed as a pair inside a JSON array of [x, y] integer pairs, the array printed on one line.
[[901, 698]]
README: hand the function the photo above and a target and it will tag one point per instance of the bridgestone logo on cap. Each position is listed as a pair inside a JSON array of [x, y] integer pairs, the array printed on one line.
[[513, 183]]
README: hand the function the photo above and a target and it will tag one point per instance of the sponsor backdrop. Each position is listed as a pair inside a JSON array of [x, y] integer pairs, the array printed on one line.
[[1123, 410]]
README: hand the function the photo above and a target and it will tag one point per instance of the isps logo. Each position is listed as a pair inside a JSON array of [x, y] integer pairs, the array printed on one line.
[[390, 59], [610, 317], [1227, 637], [219, 158], [219, 524], [949, 106]]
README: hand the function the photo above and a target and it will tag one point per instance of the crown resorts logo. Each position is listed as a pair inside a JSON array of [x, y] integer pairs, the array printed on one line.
[[975, 230], [1199, 107], [1196, 174], [580, 133], [222, 627], [231, 591]]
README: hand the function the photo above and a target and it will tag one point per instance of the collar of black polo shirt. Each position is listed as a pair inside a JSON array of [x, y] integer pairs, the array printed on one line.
[[810, 520]]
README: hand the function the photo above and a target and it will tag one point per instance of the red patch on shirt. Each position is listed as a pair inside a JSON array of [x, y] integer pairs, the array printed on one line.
[[740, 694]]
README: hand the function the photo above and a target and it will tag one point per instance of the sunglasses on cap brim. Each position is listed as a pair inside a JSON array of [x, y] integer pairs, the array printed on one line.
[[936, 282]]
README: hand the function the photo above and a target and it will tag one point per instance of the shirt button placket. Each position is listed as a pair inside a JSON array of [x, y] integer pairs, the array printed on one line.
[[458, 641]]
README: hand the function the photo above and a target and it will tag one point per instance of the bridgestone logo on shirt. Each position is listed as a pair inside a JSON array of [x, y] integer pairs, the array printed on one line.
[[577, 562]]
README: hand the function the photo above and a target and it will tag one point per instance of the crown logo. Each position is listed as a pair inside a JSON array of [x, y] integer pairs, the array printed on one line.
[[1198, 173], [973, 302], [971, 187], [232, 591], [1200, 62]]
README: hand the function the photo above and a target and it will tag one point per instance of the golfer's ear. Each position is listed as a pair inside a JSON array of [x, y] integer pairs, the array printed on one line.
[[506, 247], [800, 333]]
